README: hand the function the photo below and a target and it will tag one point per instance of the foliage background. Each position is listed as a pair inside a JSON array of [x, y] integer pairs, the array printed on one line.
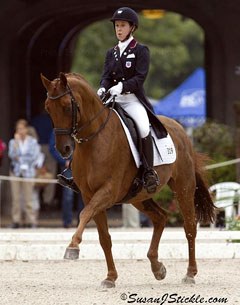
[[216, 140]]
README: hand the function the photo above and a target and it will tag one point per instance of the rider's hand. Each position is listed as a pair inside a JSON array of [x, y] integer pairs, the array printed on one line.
[[17, 136], [101, 91], [116, 90]]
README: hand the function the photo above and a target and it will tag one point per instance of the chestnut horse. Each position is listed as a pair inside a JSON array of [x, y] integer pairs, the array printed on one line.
[[103, 168]]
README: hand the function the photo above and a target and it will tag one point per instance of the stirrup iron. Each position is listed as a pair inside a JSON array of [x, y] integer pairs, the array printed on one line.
[[150, 180]]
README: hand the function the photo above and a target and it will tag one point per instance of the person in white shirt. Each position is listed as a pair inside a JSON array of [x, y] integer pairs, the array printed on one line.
[[23, 152]]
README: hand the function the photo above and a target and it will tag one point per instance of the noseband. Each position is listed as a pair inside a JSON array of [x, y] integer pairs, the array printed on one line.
[[74, 130]]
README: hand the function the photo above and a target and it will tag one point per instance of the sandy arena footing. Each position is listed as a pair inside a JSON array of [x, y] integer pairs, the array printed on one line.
[[78, 283]]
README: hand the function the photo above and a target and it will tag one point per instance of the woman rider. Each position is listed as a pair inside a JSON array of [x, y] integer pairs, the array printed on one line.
[[125, 70]]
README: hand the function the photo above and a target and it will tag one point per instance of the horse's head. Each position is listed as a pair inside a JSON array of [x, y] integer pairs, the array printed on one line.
[[63, 110]]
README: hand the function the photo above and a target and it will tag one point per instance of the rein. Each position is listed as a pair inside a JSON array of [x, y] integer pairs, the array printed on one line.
[[74, 130]]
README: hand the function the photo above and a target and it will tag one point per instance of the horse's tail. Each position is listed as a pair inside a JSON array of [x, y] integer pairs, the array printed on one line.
[[203, 202]]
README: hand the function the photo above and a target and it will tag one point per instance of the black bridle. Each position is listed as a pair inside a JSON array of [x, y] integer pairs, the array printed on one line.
[[74, 130]]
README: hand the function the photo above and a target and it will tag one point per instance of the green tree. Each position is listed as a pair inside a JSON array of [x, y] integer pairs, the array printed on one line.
[[218, 142], [175, 43], [90, 51]]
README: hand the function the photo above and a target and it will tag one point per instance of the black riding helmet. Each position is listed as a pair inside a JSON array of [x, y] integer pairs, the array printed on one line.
[[125, 14]]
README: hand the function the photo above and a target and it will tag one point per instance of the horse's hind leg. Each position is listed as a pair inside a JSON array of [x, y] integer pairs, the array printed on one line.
[[106, 243], [158, 217], [190, 227], [185, 197]]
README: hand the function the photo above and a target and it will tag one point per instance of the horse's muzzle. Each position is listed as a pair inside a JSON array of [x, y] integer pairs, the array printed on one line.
[[65, 149]]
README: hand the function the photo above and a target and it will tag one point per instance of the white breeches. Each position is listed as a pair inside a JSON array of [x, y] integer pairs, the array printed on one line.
[[136, 111]]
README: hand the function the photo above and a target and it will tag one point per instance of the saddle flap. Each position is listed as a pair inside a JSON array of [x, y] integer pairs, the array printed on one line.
[[129, 122]]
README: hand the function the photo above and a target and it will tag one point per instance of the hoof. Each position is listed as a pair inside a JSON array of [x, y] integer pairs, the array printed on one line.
[[188, 280], [107, 284], [71, 253], [161, 273]]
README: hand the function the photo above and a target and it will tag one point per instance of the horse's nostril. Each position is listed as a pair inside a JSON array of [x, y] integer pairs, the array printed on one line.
[[67, 149]]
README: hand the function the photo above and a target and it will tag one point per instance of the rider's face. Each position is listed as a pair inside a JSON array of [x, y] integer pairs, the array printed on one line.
[[21, 130], [122, 29]]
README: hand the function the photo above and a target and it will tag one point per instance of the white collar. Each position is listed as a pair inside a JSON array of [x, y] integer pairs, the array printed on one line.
[[23, 144], [122, 45]]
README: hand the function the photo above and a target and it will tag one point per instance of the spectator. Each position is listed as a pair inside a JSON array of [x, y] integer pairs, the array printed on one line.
[[23, 152], [131, 217], [2, 149], [43, 126], [145, 221], [67, 193], [38, 165]]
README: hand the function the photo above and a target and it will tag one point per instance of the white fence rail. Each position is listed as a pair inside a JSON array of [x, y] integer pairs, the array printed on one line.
[[39, 180]]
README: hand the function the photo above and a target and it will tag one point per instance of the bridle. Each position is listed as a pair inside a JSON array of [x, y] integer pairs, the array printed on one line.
[[74, 130]]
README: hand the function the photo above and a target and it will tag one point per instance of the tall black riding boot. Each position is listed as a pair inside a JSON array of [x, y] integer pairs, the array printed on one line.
[[150, 176]]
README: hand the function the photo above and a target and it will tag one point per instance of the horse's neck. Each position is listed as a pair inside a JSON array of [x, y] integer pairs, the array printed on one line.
[[93, 116]]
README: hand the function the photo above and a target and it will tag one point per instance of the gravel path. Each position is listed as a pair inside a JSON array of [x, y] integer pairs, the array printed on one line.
[[78, 283]]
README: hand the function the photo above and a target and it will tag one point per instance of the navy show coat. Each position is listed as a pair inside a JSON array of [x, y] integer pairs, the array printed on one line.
[[131, 69]]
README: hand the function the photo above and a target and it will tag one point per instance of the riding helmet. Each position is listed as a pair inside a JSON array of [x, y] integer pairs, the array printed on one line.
[[125, 14]]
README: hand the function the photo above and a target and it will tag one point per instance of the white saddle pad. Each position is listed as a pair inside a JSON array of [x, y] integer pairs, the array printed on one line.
[[165, 153]]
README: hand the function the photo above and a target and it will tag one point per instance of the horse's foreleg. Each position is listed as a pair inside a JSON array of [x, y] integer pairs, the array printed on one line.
[[106, 243], [96, 205], [159, 218], [72, 251]]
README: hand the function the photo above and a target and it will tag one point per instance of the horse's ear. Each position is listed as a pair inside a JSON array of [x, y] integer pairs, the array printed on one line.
[[63, 79], [46, 82]]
